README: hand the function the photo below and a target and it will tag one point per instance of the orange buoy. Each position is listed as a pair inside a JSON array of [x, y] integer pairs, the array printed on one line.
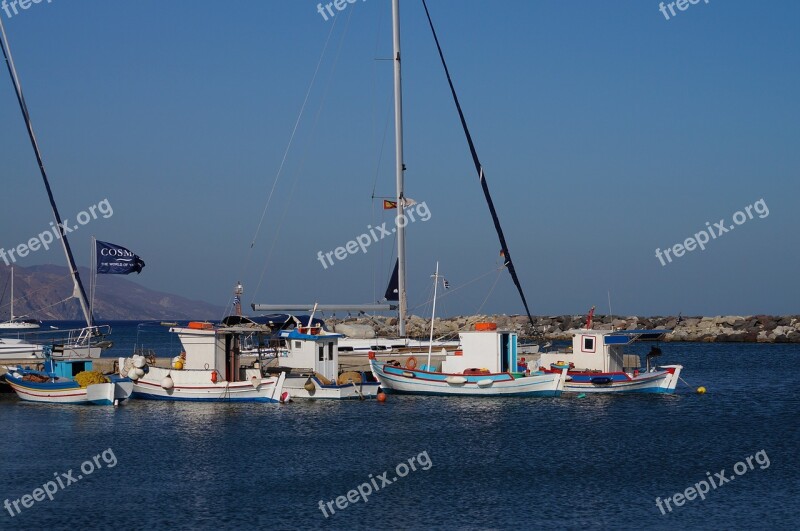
[[381, 397], [481, 327], [214, 377], [411, 363]]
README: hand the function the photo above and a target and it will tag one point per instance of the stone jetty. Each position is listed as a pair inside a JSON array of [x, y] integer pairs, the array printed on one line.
[[731, 328]]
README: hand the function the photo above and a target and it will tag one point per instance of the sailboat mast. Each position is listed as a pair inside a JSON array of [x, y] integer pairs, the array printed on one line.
[[78, 291], [12, 295], [399, 169]]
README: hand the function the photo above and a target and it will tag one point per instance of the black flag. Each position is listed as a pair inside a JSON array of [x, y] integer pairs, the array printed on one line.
[[116, 260]]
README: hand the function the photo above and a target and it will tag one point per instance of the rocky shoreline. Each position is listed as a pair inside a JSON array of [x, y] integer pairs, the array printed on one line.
[[723, 329]]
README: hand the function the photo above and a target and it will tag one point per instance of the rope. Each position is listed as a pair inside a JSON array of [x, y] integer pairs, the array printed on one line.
[[454, 289], [304, 157], [491, 290], [286, 151]]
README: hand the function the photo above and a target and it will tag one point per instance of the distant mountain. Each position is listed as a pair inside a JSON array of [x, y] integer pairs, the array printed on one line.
[[43, 292]]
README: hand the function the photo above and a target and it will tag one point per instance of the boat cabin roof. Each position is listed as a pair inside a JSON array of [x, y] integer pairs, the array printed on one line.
[[295, 334]]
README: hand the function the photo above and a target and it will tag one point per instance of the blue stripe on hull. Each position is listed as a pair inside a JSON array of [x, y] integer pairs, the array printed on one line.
[[612, 390], [144, 396], [542, 394]]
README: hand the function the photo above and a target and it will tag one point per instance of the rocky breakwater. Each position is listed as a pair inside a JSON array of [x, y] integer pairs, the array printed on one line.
[[742, 329]]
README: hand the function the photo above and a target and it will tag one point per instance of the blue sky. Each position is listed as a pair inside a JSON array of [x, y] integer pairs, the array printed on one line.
[[606, 131]]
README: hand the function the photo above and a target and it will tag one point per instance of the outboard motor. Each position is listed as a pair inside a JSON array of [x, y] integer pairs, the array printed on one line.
[[654, 353]]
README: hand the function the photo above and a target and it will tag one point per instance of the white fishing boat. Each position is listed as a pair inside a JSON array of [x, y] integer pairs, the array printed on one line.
[[313, 358], [597, 363], [486, 365], [209, 370], [304, 351]]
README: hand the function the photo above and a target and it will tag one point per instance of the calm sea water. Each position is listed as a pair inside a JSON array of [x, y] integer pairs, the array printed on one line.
[[597, 462]]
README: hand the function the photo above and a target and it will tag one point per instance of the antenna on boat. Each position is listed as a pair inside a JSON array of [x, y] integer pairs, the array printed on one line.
[[399, 169], [78, 291], [610, 313], [433, 313]]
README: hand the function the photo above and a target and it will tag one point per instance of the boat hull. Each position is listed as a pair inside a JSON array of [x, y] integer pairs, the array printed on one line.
[[197, 386], [11, 349], [416, 382], [661, 381], [296, 386], [66, 391]]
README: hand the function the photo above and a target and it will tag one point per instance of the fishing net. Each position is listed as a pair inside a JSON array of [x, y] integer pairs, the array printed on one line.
[[87, 378]]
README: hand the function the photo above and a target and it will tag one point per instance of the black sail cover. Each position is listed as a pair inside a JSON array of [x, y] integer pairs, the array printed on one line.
[[393, 289], [479, 168]]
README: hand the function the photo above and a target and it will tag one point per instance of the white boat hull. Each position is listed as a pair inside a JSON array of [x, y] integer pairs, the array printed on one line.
[[197, 385], [658, 382], [18, 325], [109, 394], [410, 381], [13, 349], [101, 394], [296, 386]]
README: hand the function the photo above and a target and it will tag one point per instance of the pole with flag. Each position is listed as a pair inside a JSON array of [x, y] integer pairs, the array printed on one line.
[[114, 259]]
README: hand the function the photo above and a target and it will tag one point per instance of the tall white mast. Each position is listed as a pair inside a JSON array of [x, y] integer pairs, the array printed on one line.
[[12, 294], [399, 168], [433, 313]]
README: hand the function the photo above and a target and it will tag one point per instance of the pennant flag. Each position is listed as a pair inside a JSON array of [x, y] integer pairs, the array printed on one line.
[[388, 205], [408, 202], [116, 260], [236, 300], [445, 283]]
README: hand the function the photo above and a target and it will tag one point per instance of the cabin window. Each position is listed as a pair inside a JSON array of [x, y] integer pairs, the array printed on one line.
[[330, 351], [297, 344], [322, 353], [588, 344]]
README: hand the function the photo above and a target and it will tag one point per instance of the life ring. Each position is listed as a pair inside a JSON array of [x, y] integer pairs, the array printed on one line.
[[411, 363]]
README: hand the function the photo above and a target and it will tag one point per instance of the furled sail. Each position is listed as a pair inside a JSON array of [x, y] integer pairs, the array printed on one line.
[[479, 168], [393, 290]]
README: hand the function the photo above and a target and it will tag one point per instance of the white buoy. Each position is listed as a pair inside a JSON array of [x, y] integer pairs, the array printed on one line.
[[256, 381], [167, 383], [139, 362], [133, 375]]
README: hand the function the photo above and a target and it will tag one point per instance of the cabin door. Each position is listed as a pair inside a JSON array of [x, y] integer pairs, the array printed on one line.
[[326, 365], [505, 353]]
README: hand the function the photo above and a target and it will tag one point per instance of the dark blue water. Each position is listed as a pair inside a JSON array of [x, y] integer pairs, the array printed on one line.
[[596, 462]]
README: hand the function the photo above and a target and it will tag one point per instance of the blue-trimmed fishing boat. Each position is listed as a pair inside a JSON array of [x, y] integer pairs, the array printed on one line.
[[56, 383], [485, 365], [597, 363]]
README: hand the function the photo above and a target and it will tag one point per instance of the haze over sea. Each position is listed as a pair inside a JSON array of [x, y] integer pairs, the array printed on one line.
[[600, 461]]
